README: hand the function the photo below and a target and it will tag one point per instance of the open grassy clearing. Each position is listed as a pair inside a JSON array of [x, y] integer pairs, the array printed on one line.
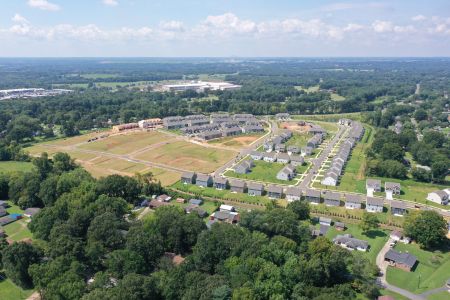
[[311, 89], [445, 295], [17, 230], [329, 117], [127, 143], [103, 84], [431, 272], [220, 194], [188, 156], [395, 295], [10, 291], [375, 238], [263, 171], [336, 97], [237, 142], [299, 140], [98, 75], [15, 166]]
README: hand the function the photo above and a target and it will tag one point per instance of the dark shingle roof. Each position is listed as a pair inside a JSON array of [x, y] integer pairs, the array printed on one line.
[[402, 258]]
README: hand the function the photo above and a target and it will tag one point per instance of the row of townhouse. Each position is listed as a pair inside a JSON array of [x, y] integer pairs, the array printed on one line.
[[332, 175], [215, 126], [330, 198], [315, 141], [283, 158], [390, 188]]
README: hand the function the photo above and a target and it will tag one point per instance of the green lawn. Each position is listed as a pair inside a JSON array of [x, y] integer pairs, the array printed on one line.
[[15, 166], [311, 89], [375, 238], [432, 270], [263, 171], [445, 295], [299, 140], [336, 97], [98, 75], [17, 230], [395, 295], [10, 291], [220, 194]]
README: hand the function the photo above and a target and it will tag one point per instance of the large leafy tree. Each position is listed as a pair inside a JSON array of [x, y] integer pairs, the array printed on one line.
[[427, 227], [17, 258], [369, 222]]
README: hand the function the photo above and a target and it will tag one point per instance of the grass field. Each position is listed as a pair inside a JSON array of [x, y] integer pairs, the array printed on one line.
[[17, 230], [395, 295], [299, 140], [375, 238], [445, 295], [188, 156], [431, 272], [329, 117], [10, 291], [15, 166], [100, 157], [220, 194], [263, 171], [311, 89], [98, 75]]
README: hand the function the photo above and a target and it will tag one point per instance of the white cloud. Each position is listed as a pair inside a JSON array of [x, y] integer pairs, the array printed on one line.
[[111, 2], [382, 26], [340, 6], [172, 26], [419, 18], [19, 19], [43, 4]]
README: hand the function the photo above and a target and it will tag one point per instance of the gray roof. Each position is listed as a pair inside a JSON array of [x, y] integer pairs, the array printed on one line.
[[283, 156], [203, 177], [188, 175], [391, 185], [339, 224], [375, 201], [237, 183], [31, 211], [275, 189], [353, 198], [325, 220], [312, 193], [331, 195], [297, 158], [373, 183], [402, 258], [220, 180], [350, 241], [398, 204], [441, 194], [294, 191], [255, 186], [256, 153]]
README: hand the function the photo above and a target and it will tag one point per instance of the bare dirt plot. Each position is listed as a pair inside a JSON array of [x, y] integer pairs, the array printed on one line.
[[237, 142], [77, 139], [126, 143], [294, 126], [188, 156]]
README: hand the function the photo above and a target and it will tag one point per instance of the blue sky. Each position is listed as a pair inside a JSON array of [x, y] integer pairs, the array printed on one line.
[[224, 28]]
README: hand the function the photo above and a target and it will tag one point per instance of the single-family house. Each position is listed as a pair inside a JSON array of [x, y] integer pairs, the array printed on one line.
[[373, 185], [374, 204], [325, 221], [274, 192], [323, 229], [396, 235], [297, 160], [398, 208], [196, 201], [347, 241], [225, 217], [255, 189], [331, 198], [4, 204], [283, 158], [225, 207], [312, 196], [163, 198], [154, 204], [31, 212], [188, 177], [293, 194], [256, 155], [353, 201], [237, 186], [3, 211], [220, 183], [440, 197], [268, 146], [204, 180], [270, 157], [287, 173], [404, 261], [391, 188]]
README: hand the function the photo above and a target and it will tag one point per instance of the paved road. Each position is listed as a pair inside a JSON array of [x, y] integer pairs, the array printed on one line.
[[317, 162], [382, 279]]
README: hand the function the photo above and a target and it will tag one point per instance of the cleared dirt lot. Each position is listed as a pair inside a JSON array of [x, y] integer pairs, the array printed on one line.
[[236, 142]]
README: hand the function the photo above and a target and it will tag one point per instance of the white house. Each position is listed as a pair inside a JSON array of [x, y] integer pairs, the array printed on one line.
[[374, 204], [330, 178], [391, 188], [293, 194], [270, 157], [373, 185]]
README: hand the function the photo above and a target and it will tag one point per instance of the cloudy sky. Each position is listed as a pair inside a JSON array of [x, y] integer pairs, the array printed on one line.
[[300, 28]]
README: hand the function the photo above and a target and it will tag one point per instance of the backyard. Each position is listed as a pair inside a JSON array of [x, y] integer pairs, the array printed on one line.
[[15, 166], [432, 270]]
